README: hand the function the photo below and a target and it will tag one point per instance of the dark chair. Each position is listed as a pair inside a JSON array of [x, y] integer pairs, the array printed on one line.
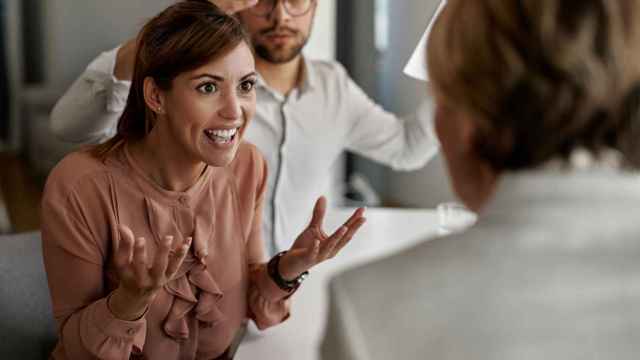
[[27, 328]]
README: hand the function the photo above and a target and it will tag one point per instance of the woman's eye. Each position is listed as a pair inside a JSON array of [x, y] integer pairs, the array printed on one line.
[[247, 86], [207, 88]]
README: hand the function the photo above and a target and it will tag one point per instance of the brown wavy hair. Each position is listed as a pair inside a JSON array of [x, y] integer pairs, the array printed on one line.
[[183, 37], [541, 77]]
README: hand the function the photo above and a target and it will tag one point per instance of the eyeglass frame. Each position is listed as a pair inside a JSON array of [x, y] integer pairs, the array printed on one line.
[[275, 4]]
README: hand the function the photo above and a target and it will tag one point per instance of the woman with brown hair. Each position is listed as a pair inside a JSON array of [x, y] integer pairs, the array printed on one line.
[[550, 270], [152, 240]]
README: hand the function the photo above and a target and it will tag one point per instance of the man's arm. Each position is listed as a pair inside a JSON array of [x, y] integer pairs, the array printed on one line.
[[402, 143], [88, 112]]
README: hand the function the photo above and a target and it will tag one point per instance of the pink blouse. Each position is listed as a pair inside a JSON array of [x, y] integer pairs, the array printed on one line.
[[197, 314]]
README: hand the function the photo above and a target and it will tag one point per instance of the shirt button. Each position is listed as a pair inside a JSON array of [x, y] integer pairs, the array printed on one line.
[[183, 200], [131, 331]]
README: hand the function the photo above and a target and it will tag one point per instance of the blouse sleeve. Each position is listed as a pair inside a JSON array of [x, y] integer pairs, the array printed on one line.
[[74, 257], [268, 304]]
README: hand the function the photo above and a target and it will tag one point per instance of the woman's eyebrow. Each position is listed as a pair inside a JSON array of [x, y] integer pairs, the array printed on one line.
[[221, 78], [214, 77], [251, 74]]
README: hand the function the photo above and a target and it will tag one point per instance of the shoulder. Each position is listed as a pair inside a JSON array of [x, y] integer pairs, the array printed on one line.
[[328, 66], [329, 71], [77, 172], [248, 159], [249, 166], [334, 81]]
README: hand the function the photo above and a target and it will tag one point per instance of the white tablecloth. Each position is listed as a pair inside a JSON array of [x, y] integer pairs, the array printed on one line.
[[387, 231]]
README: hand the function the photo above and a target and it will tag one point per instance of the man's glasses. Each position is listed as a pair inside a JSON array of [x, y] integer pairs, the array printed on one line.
[[295, 8]]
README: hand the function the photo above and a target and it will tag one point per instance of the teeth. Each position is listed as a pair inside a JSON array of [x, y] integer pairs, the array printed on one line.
[[221, 135]]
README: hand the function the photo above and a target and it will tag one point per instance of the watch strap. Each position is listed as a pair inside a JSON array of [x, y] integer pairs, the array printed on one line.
[[274, 273]]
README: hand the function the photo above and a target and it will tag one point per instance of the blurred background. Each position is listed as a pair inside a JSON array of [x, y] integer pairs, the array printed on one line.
[[47, 44]]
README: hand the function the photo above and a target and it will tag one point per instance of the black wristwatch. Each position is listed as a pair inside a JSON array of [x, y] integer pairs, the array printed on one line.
[[274, 273]]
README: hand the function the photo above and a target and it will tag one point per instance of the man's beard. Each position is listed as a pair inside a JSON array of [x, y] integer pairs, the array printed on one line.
[[279, 55]]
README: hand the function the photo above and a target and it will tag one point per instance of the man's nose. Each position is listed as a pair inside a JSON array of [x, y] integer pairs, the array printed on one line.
[[279, 13]]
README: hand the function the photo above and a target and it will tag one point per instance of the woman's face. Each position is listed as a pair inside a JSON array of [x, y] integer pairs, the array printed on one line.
[[208, 109]]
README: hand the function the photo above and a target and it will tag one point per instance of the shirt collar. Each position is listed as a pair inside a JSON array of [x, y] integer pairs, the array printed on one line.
[[307, 83]]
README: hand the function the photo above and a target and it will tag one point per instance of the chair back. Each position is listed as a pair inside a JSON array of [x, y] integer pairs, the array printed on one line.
[[27, 327]]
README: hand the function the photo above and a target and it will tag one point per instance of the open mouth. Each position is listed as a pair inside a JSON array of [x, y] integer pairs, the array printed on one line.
[[223, 136]]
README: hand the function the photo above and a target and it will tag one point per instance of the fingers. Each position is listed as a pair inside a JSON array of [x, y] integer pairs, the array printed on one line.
[[176, 258], [347, 237], [354, 217], [123, 247], [161, 260], [140, 260], [343, 235], [352, 224], [319, 211], [200, 248], [330, 243]]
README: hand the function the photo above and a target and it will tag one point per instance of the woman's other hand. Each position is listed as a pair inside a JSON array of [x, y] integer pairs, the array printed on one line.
[[141, 277], [314, 246]]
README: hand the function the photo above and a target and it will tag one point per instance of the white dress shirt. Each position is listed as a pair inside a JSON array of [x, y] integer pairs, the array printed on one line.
[[301, 135]]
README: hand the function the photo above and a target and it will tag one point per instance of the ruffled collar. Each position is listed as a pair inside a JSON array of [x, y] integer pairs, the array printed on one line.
[[193, 287]]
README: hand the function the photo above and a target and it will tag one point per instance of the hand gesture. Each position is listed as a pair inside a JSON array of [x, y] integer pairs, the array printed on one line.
[[141, 277], [314, 246]]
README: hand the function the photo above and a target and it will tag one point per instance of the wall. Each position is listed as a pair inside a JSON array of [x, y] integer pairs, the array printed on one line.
[[323, 39], [401, 94], [76, 31], [12, 51]]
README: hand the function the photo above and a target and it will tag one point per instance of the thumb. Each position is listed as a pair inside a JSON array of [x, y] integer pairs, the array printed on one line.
[[319, 211]]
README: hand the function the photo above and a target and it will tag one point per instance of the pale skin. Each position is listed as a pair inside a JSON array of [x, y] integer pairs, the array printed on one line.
[[216, 96]]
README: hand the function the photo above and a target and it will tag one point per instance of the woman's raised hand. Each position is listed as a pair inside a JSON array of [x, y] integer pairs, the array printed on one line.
[[140, 276], [314, 246]]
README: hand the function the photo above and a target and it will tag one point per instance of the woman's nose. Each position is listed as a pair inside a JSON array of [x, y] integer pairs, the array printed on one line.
[[231, 108]]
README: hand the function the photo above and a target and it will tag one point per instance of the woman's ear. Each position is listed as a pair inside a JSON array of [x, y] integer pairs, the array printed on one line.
[[153, 96]]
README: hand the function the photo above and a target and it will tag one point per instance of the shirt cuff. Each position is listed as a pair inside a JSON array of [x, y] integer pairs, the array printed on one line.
[[269, 290], [425, 114], [111, 326], [117, 94], [100, 72]]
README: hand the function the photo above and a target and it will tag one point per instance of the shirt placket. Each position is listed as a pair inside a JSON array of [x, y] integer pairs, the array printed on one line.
[[285, 108]]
